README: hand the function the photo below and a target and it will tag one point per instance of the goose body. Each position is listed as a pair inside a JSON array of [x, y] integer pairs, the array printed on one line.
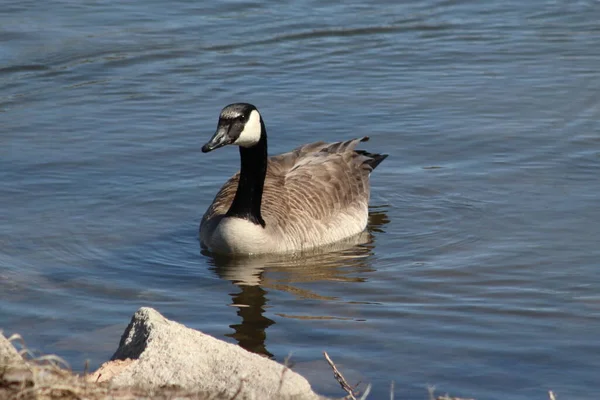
[[313, 196]]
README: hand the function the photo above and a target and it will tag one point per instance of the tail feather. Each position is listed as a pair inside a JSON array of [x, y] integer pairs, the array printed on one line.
[[373, 159]]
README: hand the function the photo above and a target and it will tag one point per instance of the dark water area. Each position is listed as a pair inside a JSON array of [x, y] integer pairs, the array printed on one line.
[[480, 272]]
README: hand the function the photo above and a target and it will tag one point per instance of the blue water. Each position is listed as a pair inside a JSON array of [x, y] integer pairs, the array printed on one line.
[[482, 274]]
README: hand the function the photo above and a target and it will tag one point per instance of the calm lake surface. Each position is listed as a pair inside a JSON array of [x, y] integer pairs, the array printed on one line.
[[482, 273]]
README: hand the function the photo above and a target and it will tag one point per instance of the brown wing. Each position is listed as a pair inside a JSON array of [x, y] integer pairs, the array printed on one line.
[[312, 185]]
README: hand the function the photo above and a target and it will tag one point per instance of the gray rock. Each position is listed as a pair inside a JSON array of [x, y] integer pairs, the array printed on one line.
[[164, 352]]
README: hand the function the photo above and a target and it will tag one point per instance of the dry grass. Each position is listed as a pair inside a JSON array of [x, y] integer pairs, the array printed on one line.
[[43, 381], [50, 377], [432, 396]]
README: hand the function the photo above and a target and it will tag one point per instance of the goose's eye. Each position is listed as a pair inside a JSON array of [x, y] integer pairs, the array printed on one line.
[[242, 118]]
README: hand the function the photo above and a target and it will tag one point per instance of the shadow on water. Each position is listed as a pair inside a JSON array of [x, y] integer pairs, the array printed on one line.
[[256, 276]]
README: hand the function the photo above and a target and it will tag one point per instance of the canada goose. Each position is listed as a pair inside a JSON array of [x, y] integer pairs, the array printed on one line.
[[312, 196]]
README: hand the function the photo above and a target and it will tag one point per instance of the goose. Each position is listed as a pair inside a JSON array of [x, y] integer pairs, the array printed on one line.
[[315, 195]]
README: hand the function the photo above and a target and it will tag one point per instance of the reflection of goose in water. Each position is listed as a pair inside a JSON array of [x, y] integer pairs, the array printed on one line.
[[342, 262]]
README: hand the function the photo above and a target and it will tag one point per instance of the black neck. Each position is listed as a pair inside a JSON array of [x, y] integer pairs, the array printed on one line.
[[248, 197]]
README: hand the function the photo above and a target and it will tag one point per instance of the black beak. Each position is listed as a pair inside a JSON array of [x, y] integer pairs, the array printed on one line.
[[220, 138]]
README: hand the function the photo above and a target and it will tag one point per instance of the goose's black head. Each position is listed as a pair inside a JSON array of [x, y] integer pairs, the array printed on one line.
[[239, 124]]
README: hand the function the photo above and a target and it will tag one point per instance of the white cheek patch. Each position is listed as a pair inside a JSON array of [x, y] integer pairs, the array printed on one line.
[[251, 133]]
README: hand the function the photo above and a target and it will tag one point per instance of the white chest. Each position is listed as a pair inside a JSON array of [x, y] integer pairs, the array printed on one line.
[[239, 236]]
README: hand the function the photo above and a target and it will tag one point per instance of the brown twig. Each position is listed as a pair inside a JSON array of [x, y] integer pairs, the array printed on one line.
[[340, 378]]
